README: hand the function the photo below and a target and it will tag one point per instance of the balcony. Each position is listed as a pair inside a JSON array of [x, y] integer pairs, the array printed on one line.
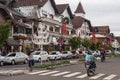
[[55, 22], [20, 36]]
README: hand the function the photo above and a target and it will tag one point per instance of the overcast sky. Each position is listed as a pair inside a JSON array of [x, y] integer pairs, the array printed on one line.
[[99, 12]]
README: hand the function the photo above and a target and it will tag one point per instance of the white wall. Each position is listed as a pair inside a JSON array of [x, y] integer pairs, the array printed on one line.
[[26, 10], [48, 9], [65, 14], [80, 14]]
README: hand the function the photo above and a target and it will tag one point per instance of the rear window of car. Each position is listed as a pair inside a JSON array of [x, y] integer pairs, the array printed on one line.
[[53, 53], [64, 52], [12, 55]]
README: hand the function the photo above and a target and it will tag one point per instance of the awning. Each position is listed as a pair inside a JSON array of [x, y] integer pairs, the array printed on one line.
[[12, 42]]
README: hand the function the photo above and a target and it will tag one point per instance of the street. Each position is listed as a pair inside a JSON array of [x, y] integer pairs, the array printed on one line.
[[108, 70]]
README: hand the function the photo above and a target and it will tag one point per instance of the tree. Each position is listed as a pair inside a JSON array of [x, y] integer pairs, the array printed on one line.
[[86, 43], [95, 46], [4, 32], [75, 42]]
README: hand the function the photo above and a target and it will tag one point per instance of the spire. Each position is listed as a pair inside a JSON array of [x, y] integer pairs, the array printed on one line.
[[80, 9]]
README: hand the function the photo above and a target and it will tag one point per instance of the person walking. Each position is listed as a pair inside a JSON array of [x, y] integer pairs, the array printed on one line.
[[102, 55], [30, 60]]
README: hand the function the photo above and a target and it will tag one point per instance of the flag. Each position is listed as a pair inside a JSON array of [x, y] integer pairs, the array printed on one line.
[[64, 28], [94, 37], [110, 39]]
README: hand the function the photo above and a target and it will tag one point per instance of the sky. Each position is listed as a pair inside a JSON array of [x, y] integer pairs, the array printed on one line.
[[99, 12]]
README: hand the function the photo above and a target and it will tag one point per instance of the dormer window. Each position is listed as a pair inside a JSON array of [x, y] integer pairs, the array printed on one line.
[[51, 16], [44, 15], [51, 28]]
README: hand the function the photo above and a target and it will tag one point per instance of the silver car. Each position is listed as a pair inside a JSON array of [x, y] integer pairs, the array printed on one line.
[[1, 60], [55, 55], [15, 57], [67, 54], [40, 55]]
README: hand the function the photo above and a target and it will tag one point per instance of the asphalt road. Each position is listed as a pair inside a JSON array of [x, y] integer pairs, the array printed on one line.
[[108, 70]]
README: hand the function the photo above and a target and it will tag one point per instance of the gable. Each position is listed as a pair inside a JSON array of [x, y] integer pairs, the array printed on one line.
[[48, 8], [66, 14]]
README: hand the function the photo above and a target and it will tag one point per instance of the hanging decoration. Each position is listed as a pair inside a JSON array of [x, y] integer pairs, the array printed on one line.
[[66, 20]]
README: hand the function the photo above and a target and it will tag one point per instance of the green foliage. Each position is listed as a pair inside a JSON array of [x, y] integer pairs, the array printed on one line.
[[86, 43], [75, 42], [4, 32], [52, 65], [95, 46]]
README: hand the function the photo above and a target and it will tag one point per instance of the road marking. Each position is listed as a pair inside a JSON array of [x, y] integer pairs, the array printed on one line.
[[58, 74], [110, 77], [97, 76], [49, 73], [82, 76], [72, 74], [38, 72]]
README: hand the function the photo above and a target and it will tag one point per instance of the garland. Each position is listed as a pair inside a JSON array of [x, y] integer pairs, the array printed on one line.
[[66, 19]]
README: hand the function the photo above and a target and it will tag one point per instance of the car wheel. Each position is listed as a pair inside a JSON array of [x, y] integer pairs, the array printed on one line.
[[13, 62], [39, 60], [47, 59], [1, 63], [25, 61]]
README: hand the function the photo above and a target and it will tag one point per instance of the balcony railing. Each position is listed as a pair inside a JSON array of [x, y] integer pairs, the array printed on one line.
[[55, 22]]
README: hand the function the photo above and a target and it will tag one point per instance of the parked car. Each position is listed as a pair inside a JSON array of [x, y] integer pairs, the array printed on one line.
[[117, 52], [40, 55], [75, 54], [66, 54], [15, 57], [96, 53], [1, 60], [108, 51], [55, 55]]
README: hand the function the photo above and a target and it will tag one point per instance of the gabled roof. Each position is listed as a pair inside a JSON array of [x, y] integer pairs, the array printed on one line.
[[79, 9], [102, 29], [61, 8], [39, 3], [78, 21]]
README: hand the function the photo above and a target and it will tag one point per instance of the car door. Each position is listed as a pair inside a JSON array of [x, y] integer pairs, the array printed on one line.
[[18, 57], [45, 55], [22, 57]]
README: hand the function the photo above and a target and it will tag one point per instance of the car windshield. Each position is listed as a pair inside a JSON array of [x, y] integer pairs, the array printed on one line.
[[53, 53], [37, 53]]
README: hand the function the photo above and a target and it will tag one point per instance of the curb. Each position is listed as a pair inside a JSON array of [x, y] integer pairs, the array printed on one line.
[[12, 73]]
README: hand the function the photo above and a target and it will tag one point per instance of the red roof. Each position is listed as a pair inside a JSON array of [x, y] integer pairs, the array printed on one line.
[[77, 21], [32, 2], [61, 8], [79, 9]]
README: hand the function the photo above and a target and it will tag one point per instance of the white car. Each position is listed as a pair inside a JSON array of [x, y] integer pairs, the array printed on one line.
[[15, 57], [67, 54], [55, 55], [1, 60], [96, 53], [40, 55], [108, 51]]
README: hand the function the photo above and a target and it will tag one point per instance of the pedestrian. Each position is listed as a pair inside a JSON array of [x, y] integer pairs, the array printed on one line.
[[102, 54], [30, 60]]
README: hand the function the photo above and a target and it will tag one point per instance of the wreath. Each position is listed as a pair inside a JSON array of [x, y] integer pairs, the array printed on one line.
[[66, 19]]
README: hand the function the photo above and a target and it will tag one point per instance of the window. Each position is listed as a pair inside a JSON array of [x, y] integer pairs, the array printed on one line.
[[44, 15], [12, 55], [51, 16], [51, 28]]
